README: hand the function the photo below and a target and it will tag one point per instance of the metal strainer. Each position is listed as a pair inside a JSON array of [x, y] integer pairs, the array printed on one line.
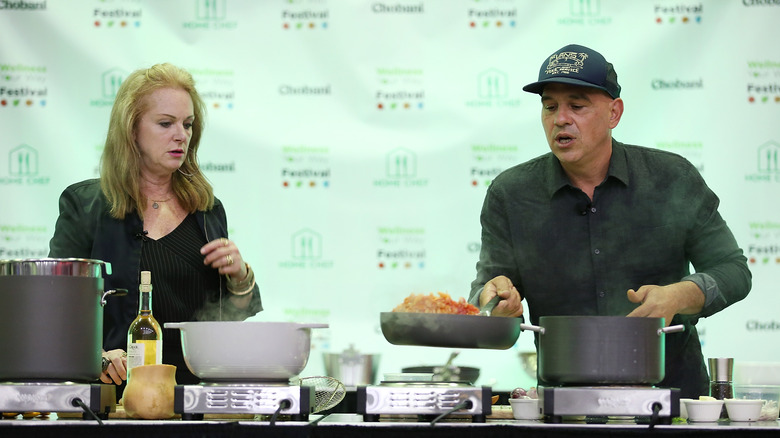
[[328, 392]]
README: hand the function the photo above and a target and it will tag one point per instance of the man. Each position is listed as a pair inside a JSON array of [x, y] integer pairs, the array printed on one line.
[[598, 227]]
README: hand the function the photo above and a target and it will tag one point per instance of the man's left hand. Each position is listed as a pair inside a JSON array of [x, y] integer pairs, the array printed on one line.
[[666, 301]]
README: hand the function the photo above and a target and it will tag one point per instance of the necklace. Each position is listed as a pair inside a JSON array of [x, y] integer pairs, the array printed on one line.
[[156, 205]]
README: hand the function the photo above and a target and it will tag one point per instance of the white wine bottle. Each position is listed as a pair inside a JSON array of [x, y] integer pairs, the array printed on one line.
[[144, 338]]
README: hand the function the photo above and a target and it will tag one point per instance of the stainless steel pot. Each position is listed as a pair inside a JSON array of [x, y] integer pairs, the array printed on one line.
[[51, 319], [580, 350], [351, 367]]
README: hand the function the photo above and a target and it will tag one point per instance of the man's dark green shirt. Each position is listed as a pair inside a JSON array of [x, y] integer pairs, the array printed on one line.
[[651, 218]]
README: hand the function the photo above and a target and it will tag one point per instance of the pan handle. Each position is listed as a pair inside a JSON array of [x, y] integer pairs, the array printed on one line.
[[671, 329], [533, 328]]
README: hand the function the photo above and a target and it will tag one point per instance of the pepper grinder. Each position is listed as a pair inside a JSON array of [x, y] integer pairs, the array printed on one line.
[[721, 371]]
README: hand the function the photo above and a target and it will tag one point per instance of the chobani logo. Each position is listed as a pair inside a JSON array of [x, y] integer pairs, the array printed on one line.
[[585, 12], [493, 91], [305, 166], [677, 84], [678, 14], [767, 164], [23, 167], [397, 8], [110, 80], [22, 5], [400, 89], [401, 248], [306, 251], [23, 86], [401, 170], [488, 160], [210, 15], [764, 81]]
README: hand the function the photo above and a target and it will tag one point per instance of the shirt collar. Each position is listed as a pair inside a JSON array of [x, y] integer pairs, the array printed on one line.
[[618, 169]]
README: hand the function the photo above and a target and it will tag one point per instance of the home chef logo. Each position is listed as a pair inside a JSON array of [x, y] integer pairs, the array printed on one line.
[[401, 248], [678, 14], [767, 164], [110, 81], [401, 170], [399, 89], [23, 86], [107, 17], [210, 15], [305, 166], [484, 16], [492, 89], [760, 252], [488, 160], [764, 85], [693, 151], [22, 5], [585, 13], [304, 18], [306, 251], [216, 87], [23, 168]]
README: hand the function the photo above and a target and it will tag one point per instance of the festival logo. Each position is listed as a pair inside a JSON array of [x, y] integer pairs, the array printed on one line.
[[401, 170], [678, 14], [306, 251], [400, 248], [585, 13], [211, 15], [492, 91], [764, 246], [488, 160], [23, 168], [117, 14], [693, 151], [495, 14], [305, 15], [23, 86], [400, 89], [23, 241], [216, 87], [110, 81], [763, 81], [305, 167]]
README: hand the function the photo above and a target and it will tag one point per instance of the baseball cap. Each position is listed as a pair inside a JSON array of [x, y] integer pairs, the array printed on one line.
[[577, 65]]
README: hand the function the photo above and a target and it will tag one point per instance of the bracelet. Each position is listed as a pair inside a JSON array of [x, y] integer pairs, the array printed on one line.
[[244, 286]]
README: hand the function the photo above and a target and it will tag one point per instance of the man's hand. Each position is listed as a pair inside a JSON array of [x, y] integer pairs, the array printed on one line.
[[511, 301], [666, 301]]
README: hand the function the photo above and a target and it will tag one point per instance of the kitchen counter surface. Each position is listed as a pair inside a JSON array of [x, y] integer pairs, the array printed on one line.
[[349, 425]]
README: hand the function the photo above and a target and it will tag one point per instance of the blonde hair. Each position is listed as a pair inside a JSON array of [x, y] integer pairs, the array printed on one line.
[[120, 169]]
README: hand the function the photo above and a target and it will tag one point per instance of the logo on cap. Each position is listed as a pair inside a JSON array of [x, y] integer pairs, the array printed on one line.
[[565, 63]]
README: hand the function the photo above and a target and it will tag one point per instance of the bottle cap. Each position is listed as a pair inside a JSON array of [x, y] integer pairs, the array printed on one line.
[[721, 369], [146, 277]]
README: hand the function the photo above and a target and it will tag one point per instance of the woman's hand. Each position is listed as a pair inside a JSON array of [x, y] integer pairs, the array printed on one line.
[[223, 255], [114, 367]]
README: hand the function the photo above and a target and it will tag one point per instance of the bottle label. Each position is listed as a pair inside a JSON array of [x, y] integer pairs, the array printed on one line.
[[143, 352]]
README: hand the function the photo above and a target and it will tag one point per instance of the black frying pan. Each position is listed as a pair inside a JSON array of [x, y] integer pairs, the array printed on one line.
[[448, 330]]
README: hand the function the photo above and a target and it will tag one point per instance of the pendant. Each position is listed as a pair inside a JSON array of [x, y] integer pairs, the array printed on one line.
[[155, 205]]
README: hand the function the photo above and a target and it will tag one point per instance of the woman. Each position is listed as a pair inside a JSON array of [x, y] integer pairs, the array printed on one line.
[[153, 210]]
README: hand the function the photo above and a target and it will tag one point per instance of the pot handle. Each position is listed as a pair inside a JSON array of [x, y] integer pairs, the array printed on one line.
[[173, 325], [114, 292], [671, 329], [533, 328], [302, 326]]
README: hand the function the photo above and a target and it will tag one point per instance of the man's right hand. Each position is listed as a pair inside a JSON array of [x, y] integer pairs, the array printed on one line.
[[511, 302]]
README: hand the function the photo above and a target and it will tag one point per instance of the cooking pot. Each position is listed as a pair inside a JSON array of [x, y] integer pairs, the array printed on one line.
[[51, 319], [245, 351], [451, 373], [449, 330], [351, 367], [580, 350]]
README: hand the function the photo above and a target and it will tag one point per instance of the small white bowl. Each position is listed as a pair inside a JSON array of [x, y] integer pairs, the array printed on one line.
[[525, 408], [704, 410], [744, 409], [683, 410]]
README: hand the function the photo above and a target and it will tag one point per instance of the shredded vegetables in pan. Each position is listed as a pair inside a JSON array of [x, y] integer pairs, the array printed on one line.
[[441, 303]]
